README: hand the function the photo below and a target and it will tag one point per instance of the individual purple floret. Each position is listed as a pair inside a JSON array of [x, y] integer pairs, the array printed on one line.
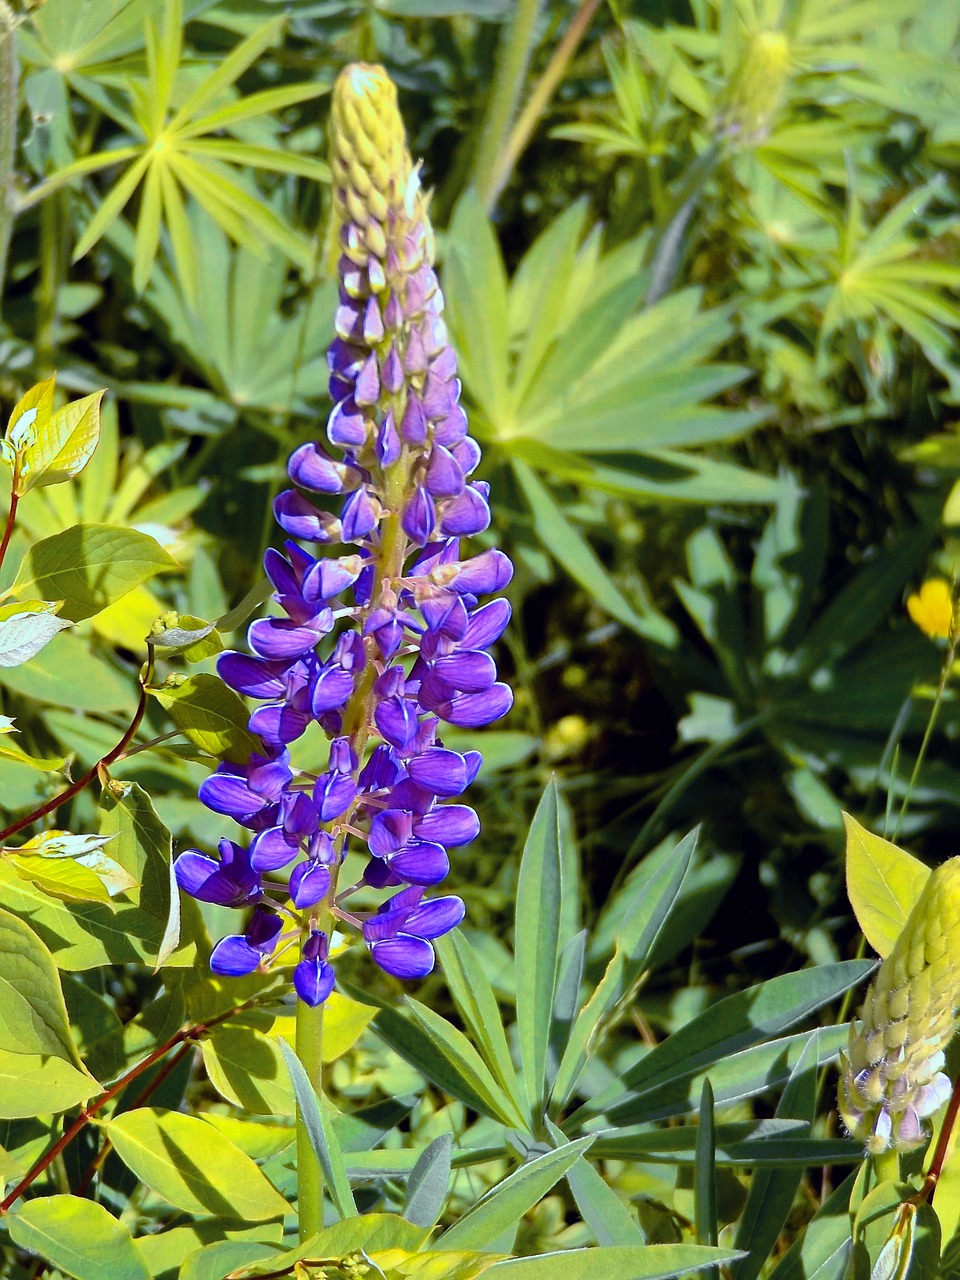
[[381, 644]]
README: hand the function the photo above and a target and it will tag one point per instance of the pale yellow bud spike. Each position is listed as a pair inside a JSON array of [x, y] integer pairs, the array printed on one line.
[[892, 1080]]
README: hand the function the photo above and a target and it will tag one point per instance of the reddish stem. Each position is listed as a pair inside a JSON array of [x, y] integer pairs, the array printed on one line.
[[943, 1146], [76, 787], [168, 1067], [8, 531], [185, 1035]]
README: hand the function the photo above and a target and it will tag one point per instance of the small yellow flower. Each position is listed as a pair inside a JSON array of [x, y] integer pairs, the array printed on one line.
[[931, 608]]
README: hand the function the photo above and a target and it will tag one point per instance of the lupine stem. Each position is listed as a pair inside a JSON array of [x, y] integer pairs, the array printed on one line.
[[309, 1045], [516, 46], [539, 99], [9, 77], [945, 674], [887, 1166]]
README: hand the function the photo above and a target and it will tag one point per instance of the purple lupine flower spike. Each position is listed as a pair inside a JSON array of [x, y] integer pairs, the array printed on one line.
[[383, 642]]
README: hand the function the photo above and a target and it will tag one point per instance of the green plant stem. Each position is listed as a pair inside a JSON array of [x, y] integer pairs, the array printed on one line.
[[9, 79], [887, 1166], [309, 1045], [51, 278], [186, 1035], [928, 732], [513, 58], [539, 99]]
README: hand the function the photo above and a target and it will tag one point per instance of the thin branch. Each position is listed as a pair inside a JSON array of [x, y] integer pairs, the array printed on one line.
[[185, 1036], [167, 1069], [103, 763]]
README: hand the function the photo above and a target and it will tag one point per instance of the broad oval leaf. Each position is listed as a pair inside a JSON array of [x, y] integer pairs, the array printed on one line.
[[89, 566], [79, 1237], [33, 1016], [883, 883], [211, 715], [193, 1165]]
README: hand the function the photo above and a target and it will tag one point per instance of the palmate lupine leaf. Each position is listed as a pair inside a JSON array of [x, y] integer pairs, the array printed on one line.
[[172, 153], [250, 349], [882, 274]]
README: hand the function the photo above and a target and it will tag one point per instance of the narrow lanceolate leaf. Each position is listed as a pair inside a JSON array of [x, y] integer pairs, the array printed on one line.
[[89, 566], [772, 1191], [639, 1262], [62, 445], [27, 628], [883, 883], [477, 1005], [601, 1208], [570, 550], [511, 1199], [322, 1139], [705, 1175], [78, 1237], [445, 1050], [730, 1026], [539, 906], [428, 1183], [192, 1164], [642, 924]]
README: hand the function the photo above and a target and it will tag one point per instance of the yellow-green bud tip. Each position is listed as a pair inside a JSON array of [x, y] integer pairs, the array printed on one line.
[[368, 146]]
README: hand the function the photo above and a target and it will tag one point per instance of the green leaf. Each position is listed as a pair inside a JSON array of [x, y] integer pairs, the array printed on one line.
[[883, 884], [604, 1212], [62, 446], [439, 1042], [823, 1251], [33, 1016], [504, 1206], [537, 934], [637, 935], [429, 1183], [574, 555], [477, 1004], [214, 1261], [65, 879], [68, 675], [192, 1165], [33, 1084], [728, 1027], [372, 1232], [78, 1237], [89, 566], [211, 715], [705, 1174], [247, 1067], [166, 1252], [637, 1262], [27, 628], [772, 1191], [322, 1138]]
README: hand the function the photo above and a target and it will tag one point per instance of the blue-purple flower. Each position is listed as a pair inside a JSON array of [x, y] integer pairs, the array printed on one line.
[[383, 643]]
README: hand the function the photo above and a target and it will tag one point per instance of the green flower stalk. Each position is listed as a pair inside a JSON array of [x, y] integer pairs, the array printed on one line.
[[892, 1078]]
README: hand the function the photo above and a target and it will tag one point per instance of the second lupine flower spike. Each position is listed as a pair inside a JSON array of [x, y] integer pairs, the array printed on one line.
[[379, 644], [892, 1078]]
